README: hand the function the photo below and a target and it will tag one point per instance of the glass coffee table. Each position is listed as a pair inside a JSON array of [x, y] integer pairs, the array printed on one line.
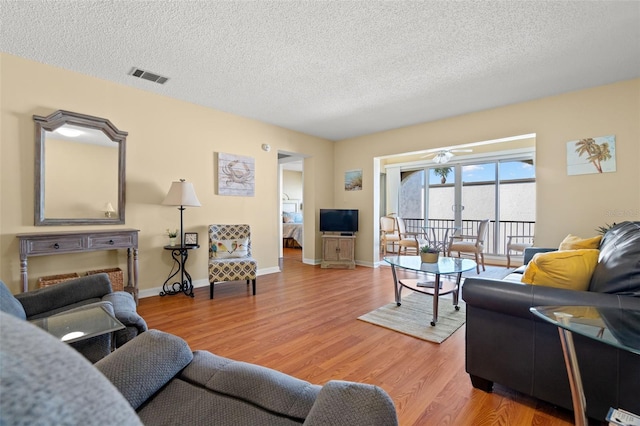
[[616, 327], [426, 284], [80, 324]]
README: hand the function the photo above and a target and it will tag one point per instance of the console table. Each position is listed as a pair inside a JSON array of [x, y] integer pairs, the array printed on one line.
[[49, 243]]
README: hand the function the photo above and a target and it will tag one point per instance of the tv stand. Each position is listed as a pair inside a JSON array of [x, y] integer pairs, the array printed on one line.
[[338, 251]]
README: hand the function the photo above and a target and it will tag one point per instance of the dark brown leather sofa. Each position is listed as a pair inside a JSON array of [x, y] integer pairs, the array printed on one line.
[[506, 344]]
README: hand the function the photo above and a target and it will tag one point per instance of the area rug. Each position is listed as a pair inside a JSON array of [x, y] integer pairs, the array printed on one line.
[[414, 316]]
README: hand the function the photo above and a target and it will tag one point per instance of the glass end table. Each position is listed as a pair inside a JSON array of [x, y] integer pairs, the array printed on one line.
[[615, 327], [80, 324]]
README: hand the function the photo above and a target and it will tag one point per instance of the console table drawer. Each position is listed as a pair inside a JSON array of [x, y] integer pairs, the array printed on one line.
[[110, 241], [55, 245]]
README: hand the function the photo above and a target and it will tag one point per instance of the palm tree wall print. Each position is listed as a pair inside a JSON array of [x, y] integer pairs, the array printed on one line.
[[591, 155]]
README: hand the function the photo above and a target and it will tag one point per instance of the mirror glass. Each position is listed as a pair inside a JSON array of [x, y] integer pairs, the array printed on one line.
[[79, 170]]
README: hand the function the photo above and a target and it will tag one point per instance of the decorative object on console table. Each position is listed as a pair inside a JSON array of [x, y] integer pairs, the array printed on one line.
[[172, 236], [181, 194], [190, 238]]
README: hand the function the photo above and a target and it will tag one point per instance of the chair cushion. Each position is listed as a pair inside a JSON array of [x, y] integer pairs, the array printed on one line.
[[572, 242], [466, 247], [569, 269], [228, 249]]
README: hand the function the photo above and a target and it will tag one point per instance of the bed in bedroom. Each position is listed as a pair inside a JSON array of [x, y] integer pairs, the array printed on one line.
[[292, 230]]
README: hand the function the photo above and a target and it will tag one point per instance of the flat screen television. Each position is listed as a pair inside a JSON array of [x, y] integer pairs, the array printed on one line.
[[338, 220]]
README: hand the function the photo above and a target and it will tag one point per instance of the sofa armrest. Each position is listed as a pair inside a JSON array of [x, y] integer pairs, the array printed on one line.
[[515, 299], [354, 404], [529, 252], [67, 293], [124, 308], [145, 364]]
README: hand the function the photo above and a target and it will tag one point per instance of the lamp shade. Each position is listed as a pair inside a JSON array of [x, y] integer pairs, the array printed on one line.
[[181, 194]]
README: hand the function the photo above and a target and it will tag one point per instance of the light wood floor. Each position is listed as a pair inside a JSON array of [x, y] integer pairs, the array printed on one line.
[[303, 322]]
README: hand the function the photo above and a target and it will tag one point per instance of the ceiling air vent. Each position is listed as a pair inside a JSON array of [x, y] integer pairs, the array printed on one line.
[[146, 75]]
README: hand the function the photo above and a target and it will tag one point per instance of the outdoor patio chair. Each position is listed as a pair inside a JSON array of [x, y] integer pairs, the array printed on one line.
[[388, 234], [471, 244], [230, 255], [517, 244], [409, 240]]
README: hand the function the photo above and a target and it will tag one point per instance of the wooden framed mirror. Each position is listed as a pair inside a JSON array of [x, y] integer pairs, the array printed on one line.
[[79, 170]]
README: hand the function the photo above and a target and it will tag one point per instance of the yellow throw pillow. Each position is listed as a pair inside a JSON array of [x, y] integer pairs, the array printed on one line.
[[571, 242], [569, 269]]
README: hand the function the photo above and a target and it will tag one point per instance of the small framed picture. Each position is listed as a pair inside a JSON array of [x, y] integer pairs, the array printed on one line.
[[190, 238]]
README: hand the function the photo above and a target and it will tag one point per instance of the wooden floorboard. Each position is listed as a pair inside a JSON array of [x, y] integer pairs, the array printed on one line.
[[303, 322]]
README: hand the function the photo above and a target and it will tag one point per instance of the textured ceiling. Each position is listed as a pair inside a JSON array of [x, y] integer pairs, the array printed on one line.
[[336, 69]]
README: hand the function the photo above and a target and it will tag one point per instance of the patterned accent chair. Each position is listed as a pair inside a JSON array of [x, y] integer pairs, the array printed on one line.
[[230, 255]]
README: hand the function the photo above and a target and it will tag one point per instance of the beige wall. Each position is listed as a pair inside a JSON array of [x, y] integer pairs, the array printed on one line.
[[168, 140], [565, 204]]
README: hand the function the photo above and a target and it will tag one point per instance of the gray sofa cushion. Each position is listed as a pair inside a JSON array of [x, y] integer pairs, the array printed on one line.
[[43, 381], [618, 268], [9, 304], [124, 308], [140, 370], [71, 293], [353, 404], [269, 389]]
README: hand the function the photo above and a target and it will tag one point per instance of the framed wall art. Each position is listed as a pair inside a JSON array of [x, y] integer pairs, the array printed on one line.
[[236, 175], [591, 155], [353, 180]]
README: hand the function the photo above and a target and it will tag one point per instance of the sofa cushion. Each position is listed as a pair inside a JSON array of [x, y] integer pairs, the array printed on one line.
[[569, 269], [44, 381], [147, 368], [260, 386], [618, 269], [572, 242], [9, 304]]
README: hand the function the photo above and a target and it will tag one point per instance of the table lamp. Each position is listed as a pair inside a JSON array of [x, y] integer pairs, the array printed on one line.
[[181, 194]]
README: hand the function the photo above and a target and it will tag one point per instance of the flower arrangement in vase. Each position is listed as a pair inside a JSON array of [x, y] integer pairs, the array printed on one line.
[[172, 236], [429, 254]]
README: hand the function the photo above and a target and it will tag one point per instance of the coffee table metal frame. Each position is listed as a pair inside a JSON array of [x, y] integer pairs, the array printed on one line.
[[444, 266]]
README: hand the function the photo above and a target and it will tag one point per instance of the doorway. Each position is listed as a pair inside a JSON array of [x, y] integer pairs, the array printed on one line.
[[290, 178]]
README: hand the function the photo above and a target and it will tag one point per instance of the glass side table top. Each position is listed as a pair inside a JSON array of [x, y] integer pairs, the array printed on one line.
[[79, 324], [614, 326], [445, 265]]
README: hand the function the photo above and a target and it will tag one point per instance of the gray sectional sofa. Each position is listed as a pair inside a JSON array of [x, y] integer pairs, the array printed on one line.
[[156, 379], [506, 344]]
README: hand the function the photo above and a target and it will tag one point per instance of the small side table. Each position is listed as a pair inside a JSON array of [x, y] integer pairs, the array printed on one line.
[[180, 255], [612, 326]]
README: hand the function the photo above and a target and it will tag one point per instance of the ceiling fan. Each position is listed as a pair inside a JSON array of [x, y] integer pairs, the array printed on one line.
[[444, 155]]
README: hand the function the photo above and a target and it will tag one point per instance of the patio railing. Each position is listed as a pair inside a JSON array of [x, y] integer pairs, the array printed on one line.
[[496, 242]]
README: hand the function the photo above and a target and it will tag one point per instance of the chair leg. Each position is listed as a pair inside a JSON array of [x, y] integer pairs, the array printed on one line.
[[211, 290], [482, 257], [477, 263], [254, 286], [508, 258]]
